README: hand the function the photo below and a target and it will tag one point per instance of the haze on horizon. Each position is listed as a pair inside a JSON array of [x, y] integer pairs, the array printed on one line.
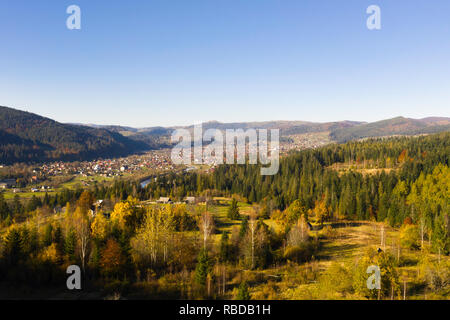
[[167, 63]]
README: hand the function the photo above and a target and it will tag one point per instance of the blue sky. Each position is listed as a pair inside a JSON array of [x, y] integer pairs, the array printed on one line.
[[176, 62]]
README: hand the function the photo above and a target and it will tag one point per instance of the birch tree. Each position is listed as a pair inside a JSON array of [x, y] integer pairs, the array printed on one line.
[[82, 228], [206, 226], [152, 241]]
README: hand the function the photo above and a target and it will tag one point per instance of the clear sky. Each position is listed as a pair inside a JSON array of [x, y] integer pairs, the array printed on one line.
[[176, 62]]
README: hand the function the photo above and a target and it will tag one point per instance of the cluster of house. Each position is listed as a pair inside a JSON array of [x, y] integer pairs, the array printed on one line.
[[96, 207], [7, 183], [158, 159], [187, 200], [41, 189], [303, 141]]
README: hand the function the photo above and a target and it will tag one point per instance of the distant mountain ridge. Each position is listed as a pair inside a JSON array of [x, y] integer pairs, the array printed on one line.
[[339, 131], [27, 137], [395, 126], [286, 127]]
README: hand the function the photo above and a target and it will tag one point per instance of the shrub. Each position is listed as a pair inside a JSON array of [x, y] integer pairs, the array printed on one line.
[[300, 253], [409, 236]]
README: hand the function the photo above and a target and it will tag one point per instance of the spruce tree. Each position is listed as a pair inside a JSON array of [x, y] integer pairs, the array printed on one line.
[[12, 246], [224, 247], [4, 209], [203, 267], [243, 293], [69, 245], [244, 226], [48, 238], [233, 210]]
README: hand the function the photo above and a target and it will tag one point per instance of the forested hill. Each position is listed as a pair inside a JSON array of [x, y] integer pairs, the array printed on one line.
[[363, 180], [27, 137], [395, 126]]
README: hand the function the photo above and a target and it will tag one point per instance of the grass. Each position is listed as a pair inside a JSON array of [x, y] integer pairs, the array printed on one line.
[[9, 195], [74, 183], [223, 223], [302, 281]]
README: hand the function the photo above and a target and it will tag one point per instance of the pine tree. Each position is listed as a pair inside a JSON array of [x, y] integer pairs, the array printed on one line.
[[224, 247], [244, 226], [4, 209], [233, 210], [243, 293], [34, 203], [48, 239], [70, 244], [12, 246], [58, 238], [17, 207], [203, 267], [46, 200]]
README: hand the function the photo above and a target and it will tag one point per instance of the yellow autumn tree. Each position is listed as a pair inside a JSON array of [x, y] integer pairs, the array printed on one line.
[[51, 254], [100, 227], [127, 214], [122, 211], [322, 212], [152, 241]]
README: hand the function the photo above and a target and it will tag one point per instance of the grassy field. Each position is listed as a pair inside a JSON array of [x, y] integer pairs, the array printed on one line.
[[223, 223], [9, 195], [346, 244], [349, 244], [74, 183], [79, 181]]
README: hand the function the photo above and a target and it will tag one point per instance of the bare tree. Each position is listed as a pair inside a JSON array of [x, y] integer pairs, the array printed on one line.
[[252, 225], [383, 238], [206, 225], [299, 233]]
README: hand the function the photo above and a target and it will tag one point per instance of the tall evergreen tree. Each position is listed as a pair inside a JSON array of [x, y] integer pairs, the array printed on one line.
[[233, 210], [243, 293], [203, 267]]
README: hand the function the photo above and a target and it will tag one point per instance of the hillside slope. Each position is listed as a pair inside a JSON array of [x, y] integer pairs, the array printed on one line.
[[395, 126], [27, 137]]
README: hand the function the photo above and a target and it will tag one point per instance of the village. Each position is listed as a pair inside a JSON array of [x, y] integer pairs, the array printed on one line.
[[50, 177], [47, 177], [156, 160]]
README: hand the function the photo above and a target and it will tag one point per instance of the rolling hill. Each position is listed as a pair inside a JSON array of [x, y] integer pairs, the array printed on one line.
[[395, 126], [27, 137], [286, 127]]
